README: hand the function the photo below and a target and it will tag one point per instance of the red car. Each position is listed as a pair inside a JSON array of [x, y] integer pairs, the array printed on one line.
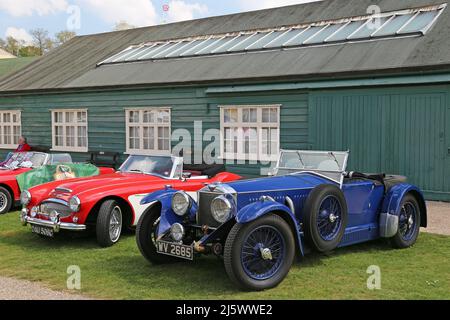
[[112, 202], [21, 162]]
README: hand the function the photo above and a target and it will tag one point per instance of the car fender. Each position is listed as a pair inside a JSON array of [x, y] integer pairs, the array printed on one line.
[[392, 206], [261, 208], [168, 216]]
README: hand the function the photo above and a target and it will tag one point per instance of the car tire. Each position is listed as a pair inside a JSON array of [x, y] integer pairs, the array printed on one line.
[[145, 237], [237, 255], [5, 200], [325, 218], [409, 223], [109, 223]]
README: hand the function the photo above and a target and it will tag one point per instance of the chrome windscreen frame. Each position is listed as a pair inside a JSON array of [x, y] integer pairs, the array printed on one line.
[[340, 174]]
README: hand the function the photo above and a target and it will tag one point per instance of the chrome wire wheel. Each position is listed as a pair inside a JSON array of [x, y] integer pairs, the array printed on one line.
[[263, 252], [3, 201], [408, 221], [329, 218], [115, 224]]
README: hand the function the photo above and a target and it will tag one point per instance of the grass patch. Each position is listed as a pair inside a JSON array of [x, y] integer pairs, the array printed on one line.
[[120, 272]]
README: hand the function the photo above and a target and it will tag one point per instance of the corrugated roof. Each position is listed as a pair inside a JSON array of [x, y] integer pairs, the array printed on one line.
[[74, 64], [6, 55]]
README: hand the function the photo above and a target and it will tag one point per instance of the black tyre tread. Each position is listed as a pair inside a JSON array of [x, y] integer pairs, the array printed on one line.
[[311, 236], [227, 252], [9, 199], [146, 247], [103, 217], [397, 241], [236, 232]]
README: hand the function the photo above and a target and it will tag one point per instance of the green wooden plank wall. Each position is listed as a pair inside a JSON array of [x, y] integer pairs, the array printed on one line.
[[106, 115], [398, 131]]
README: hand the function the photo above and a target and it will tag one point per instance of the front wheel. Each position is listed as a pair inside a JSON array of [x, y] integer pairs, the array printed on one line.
[[109, 223], [408, 223], [146, 234], [5, 201], [258, 255]]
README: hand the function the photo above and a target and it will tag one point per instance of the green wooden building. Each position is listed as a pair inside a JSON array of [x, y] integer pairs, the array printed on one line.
[[332, 75]]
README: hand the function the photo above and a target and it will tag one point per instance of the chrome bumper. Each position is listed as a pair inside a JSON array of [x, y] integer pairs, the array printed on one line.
[[55, 225]]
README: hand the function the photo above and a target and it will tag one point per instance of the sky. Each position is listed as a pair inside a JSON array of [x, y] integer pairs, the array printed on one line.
[[18, 17]]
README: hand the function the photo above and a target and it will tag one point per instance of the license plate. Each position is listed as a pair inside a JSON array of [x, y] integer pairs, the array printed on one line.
[[44, 231], [175, 250]]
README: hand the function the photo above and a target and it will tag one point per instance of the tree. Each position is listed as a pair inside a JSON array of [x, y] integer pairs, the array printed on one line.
[[123, 25], [12, 46], [64, 36], [29, 51], [2, 43], [42, 40]]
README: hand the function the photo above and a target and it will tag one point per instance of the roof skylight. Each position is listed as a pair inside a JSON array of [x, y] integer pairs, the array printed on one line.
[[405, 23]]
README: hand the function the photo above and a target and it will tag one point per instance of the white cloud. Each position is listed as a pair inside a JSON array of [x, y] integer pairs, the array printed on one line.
[[20, 8], [181, 11], [264, 4], [136, 12], [19, 34]]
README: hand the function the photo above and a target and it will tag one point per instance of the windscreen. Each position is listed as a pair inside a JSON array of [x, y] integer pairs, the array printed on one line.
[[162, 166], [330, 164]]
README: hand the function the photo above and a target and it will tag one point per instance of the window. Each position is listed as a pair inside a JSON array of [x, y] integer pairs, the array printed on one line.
[[250, 132], [70, 130], [10, 129], [148, 131]]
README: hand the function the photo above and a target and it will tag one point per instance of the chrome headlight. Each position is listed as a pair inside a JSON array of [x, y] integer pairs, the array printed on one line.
[[177, 232], [54, 216], [74, 204], [221, 209], [25, 197], [34, 211], [181, 203]]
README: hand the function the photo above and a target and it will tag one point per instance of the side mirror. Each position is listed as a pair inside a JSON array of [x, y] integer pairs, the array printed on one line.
[[186, 175]]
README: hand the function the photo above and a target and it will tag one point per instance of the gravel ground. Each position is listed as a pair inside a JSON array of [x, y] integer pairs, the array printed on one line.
[[11, 289], [438, 218]]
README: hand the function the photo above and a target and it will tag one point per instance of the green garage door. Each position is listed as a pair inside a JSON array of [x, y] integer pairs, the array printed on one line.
[[405, 133]]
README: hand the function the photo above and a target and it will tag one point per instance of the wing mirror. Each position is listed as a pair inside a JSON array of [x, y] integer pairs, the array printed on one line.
[[186, 175]]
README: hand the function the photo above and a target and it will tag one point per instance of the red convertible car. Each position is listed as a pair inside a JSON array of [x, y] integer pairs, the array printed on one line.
[[110, 203], [18, 163]]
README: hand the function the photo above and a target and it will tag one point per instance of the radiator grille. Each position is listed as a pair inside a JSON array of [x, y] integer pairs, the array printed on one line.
[[47, 207], [204, 216]]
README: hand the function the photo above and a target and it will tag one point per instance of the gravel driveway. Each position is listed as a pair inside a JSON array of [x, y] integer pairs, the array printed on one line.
[[11, 289], [438, 218]]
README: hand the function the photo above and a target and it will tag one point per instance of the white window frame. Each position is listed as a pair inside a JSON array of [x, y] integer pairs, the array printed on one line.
[[259, 125], [11, 125], [141, 124], [65, 124]]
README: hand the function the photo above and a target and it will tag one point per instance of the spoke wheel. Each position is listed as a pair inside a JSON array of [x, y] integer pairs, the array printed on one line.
[[325, 218], [408, 223], [262, 252], [109, 223], [5, 201], [146, 235], [329, 219], [115, 224], [258, 255]]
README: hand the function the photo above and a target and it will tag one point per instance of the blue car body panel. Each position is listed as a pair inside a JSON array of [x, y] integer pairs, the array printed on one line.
[[366, 199], [168, 217], [393, 200]]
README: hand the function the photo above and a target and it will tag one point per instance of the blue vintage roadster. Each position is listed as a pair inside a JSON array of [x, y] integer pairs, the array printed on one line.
[[259, 226]]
